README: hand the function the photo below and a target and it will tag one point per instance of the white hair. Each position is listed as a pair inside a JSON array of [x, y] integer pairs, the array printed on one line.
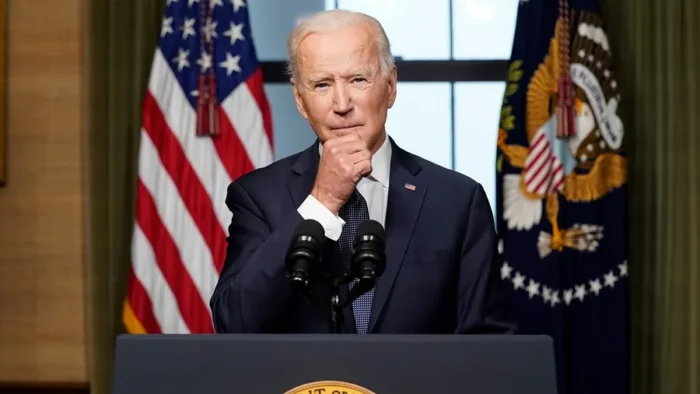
[[335, 19]]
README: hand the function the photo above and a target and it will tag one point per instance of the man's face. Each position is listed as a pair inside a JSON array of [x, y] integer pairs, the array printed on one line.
[[341, 87]]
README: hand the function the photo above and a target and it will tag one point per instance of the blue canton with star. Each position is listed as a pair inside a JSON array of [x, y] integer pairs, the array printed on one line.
[[234, 58]]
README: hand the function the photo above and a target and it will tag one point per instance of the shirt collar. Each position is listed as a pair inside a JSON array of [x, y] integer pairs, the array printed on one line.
[[381, 162]]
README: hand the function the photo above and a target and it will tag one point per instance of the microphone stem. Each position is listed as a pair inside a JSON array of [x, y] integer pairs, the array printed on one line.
[[335, 325]]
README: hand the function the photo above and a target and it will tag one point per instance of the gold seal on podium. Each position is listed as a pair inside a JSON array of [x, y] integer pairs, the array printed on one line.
[[329, 387]]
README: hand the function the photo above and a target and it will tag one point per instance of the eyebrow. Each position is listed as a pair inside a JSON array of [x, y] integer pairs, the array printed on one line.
[[362, 71], [326, 77], [314, 80]]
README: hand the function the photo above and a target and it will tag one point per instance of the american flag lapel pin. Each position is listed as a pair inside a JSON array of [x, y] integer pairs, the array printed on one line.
[[410, 187]]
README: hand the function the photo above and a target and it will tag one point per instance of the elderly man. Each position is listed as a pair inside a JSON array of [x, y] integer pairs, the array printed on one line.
[[442, 273]]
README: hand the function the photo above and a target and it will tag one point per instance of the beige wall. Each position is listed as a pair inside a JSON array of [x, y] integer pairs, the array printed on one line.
[[42, 333]]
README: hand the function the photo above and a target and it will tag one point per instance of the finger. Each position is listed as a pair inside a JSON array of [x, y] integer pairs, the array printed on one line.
[[355, 146], [359, 156], [363, 167]]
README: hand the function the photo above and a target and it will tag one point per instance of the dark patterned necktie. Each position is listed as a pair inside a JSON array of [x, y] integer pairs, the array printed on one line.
[[354, 212]]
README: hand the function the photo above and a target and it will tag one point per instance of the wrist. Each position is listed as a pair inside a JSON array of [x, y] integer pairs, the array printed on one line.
[[327, 201]]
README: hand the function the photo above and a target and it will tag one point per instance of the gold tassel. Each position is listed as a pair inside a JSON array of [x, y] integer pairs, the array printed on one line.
[[565, 110]]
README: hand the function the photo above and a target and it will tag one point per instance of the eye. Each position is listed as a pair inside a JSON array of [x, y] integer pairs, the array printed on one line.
[[359, 79], [321, 85]]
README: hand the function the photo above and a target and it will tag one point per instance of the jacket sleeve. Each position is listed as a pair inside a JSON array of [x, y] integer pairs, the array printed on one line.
[[252, 290], [485, 302]]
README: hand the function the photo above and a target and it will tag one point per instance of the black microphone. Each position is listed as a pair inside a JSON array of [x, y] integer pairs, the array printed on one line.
[[304, 253], [369, 259]]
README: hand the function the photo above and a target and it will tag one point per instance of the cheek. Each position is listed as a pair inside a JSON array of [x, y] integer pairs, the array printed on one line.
[[375, 106], [317, 107]]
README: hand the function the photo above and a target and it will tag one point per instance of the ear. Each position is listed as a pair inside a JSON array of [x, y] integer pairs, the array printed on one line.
[[298, 100], [392, 86]]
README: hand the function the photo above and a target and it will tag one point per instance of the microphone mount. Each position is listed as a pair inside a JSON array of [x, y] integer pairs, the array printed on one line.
[[367, 264], [368, 261]]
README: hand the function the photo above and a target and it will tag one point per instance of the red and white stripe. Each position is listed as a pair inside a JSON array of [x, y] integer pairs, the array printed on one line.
[[543, 171], [179, 240]]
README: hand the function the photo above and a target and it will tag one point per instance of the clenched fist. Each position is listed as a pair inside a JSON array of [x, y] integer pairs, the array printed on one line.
[[345, 160]]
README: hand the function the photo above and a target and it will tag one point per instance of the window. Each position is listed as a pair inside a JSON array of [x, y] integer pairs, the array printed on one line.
[[417, 31], [477, 108], [413, 120], [452, 57], [291, 132], [473, 20], [271, 21]]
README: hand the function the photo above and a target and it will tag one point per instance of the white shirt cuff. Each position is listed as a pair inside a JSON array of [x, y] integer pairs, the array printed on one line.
[[332, 224]]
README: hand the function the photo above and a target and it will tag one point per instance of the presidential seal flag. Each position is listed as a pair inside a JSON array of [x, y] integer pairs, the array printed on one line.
[[561, 192]]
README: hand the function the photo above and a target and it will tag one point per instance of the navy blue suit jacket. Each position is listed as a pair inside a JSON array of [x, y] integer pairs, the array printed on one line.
[[442, 273]]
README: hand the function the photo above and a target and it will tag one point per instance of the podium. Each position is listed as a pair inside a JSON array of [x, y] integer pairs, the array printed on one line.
[[334, 364]]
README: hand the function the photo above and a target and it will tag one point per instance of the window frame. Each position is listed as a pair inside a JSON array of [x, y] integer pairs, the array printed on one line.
[[419, 71]]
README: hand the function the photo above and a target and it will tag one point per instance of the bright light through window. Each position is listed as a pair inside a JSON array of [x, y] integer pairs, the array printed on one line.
[[417, 30], [473, 20], [423, 126], [477, 115]]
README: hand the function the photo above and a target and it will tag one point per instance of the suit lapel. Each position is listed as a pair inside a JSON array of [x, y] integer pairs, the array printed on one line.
[[404, 202], [305, 168]]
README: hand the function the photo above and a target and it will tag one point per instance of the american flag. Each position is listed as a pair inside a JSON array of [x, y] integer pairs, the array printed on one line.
[[193, 145], [549, 159], [544, 172]]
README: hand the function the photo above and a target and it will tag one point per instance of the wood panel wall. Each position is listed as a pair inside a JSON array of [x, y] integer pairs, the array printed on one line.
[[42, 329]]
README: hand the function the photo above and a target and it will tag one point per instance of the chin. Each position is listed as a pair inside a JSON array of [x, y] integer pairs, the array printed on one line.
[[334, 133]]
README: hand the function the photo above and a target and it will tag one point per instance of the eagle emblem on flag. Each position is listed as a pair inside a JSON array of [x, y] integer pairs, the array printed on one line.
[[581, 168]]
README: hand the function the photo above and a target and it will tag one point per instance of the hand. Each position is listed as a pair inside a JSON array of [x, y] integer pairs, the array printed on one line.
[[344, 162]]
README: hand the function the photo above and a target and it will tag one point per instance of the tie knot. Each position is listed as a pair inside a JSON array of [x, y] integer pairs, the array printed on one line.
[[353, 197]]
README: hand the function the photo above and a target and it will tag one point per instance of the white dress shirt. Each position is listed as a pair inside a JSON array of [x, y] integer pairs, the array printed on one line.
[[374, 188]]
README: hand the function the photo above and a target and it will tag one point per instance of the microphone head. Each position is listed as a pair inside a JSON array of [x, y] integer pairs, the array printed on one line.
[[309, 228], [306, 244], [369, 229], [369, 249]]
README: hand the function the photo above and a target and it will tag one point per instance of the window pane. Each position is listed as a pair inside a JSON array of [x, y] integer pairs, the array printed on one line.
[[475, 19], [271, 22], [477, 115], [417, 30], [291, 132], [421, 120]]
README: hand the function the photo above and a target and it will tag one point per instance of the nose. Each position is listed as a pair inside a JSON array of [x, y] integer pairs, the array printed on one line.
[[342, 99]]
